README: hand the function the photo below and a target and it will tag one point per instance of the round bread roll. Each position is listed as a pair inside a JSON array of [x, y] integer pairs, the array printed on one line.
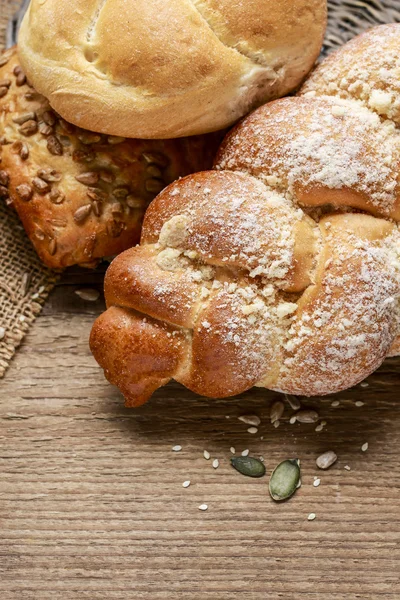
[[167, 69]]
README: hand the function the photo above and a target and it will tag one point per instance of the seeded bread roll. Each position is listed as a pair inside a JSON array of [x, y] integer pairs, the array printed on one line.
[[80, 195], [171, 68]]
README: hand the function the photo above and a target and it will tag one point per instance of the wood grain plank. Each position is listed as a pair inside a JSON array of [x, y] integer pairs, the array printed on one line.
[[91, 497]]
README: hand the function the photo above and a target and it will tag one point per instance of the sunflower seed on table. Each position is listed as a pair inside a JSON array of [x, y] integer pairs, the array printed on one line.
[[215, 463], [277, 410], [326, 460], [186, 484], [364, 447], [252, 430], [176, 448], [292, 420], [307, 416], [293, 401], [247, 465], [203, 507], [88, 294], [335, 403], [285, 479], [359, 403], [232, 449], [245, 452], [317, 482], [347, 467], [206, 455], [276, 424], [311, 517], [250, 420]]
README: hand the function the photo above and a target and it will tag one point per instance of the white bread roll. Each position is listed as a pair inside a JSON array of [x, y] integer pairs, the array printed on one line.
[[162, 69]]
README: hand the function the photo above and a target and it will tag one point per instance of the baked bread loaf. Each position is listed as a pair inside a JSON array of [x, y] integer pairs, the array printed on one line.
[[81, 195], [167, 69], [279, 269]]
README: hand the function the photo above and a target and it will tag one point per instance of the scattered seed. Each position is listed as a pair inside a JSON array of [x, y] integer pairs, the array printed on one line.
[[335, 403], [232, 450], [359, 403], [319, 427], [88, 294], [285, 479], [88, 178], [347, 467], [252, 430], [262, 458], [307, 416], [277, 410], [247, 465], [311, 517], [276, 424], [215, 463], [54, 145], [82, 213], [250, 420], [203, 507], [293, 401], [186, 484], [293, 420], [29, 128], [245, 452], [29, 116], [24, 191], [316, 482], [176, 448], [206, 455], [364, 447], [326, 460], [364, 384]]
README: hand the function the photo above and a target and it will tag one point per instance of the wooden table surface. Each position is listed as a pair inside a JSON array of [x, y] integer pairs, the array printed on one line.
[[91, 498]]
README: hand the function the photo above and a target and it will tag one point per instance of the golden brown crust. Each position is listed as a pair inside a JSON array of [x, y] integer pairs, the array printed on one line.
[[81, 196], [307, 305], [167, 69]]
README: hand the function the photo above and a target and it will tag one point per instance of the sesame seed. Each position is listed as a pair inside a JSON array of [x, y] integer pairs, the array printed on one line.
[[262, 458], [186, 484], [293, 420], [335, 403], [177, 448], [203, 507], [245, 452], [347, 467], [215, 463], [364, 447], [276, 424], [316, 482], [359, 403], [319, 427], [252, 430], [206, 455], [311, 516], [364, 384], [232, 449]]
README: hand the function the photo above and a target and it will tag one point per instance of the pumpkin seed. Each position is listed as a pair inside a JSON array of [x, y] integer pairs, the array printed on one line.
[[285, 479], [247, 465]]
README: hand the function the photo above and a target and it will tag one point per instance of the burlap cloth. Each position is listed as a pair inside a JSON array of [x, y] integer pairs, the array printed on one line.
[[25, 283]]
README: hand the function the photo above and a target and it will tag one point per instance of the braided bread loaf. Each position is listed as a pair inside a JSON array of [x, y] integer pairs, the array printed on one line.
[[281, 268]]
